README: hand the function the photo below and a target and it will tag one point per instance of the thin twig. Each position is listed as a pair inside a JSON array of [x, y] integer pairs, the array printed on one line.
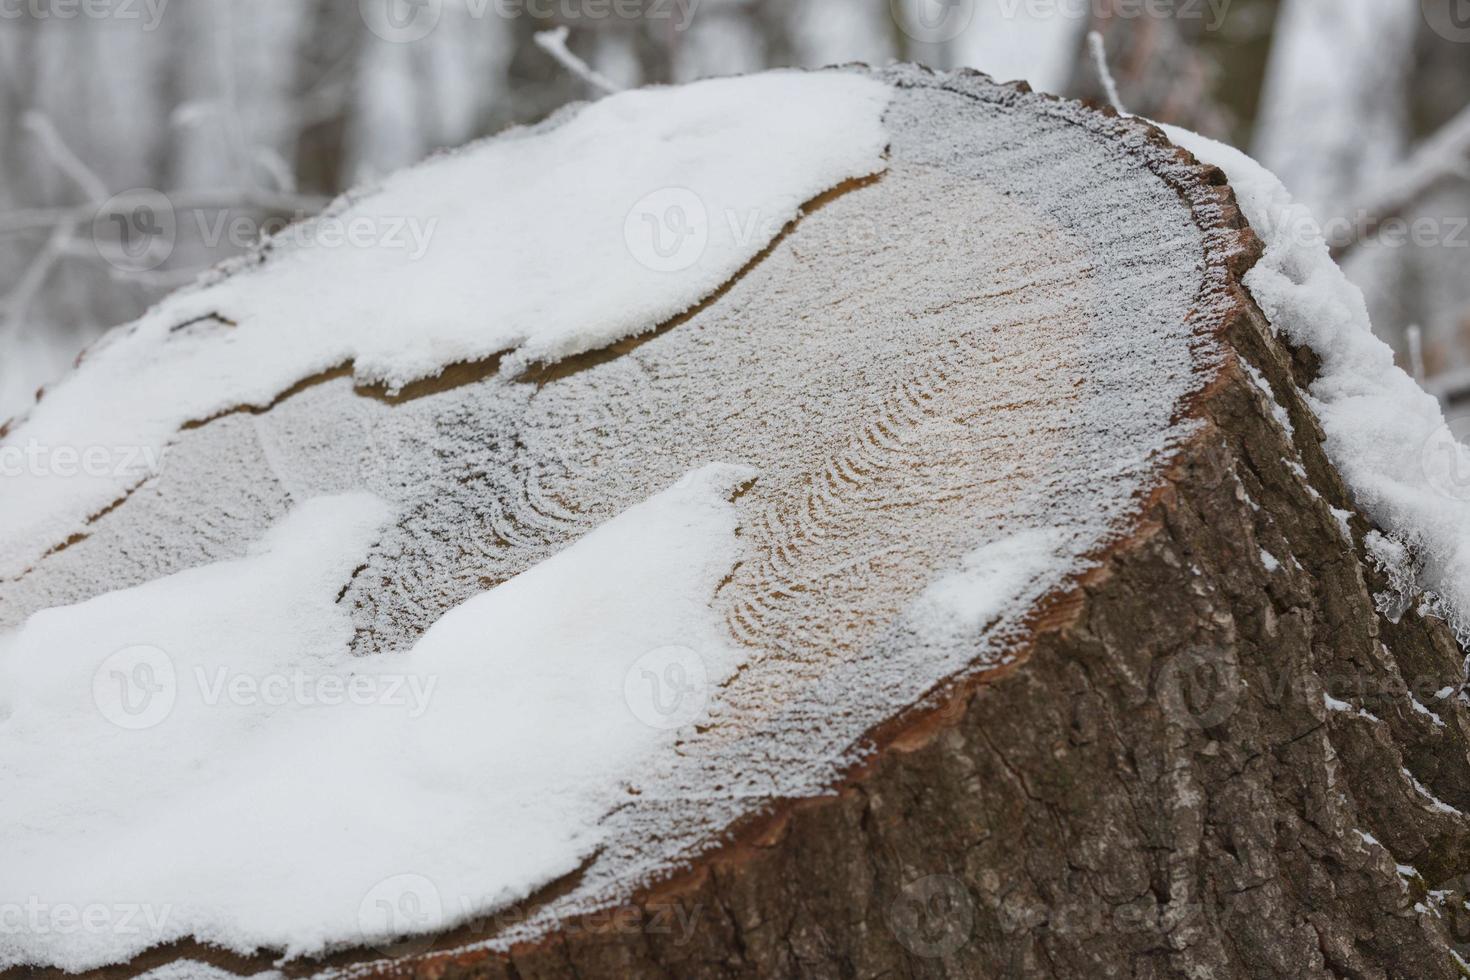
[[66, 161], [157, 279], [1100, 60], [17, 303], [554, 43], [1416, 353], [65, 223]]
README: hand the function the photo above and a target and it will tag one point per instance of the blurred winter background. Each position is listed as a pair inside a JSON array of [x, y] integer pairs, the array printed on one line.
[[244, 114]]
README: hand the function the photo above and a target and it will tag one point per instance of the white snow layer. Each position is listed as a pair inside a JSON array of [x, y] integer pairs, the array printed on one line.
[[1386, 436], [483, 758], [546, 243]]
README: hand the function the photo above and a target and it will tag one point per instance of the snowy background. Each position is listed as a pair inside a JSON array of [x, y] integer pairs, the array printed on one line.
[[235, 117]]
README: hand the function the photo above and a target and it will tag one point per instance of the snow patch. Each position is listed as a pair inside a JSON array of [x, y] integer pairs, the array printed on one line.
[[483, 758], [1277, 411], [990, 577], [1335, 704], [1435, 803], [1420, 708]]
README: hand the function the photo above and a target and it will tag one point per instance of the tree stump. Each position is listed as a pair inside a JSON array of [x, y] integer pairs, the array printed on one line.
[[1200, 749]]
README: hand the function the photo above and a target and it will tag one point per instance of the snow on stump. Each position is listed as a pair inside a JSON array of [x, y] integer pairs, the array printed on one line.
[[849, 523]]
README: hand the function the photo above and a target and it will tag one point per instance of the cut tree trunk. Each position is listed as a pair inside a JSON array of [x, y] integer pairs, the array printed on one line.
[[1209, 754]]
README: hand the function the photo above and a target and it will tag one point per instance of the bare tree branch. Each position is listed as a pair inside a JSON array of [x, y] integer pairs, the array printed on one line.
[[65, 223], [1444, 156], [158, 279], [1416, 352], [1104, 73], [17, 303], [554, 43], [40, 125]]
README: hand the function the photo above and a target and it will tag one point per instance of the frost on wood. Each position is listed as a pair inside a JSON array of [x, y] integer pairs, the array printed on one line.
[[955, 383], [518, 243]]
